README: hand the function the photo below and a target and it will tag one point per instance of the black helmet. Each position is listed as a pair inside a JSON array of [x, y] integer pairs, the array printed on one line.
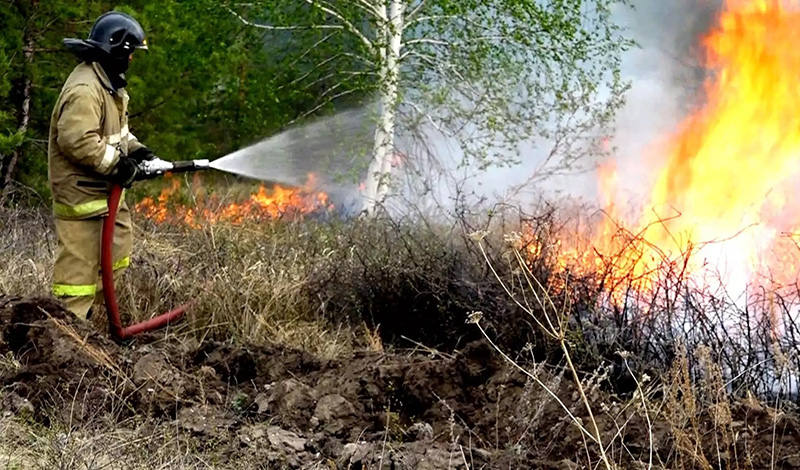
[[117, 34], [113, 38]]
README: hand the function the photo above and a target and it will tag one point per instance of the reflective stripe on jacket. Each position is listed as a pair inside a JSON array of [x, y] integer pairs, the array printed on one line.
[[88, 133]]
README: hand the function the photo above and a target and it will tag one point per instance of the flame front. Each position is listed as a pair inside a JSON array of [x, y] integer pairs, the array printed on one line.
[[264, 204], [723, 200]]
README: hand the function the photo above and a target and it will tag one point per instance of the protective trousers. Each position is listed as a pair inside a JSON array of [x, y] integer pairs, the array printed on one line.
[[76, 273]]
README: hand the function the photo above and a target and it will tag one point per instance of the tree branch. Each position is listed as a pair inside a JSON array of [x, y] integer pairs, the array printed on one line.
[[324, 62], [429, 118], [429, 18], [282, 28], [314, 46], [410, 16], [334, 74], [339, 95], [368, 7], [317, 107], [437, 42], [465, 19], [330, 90], [347, 24], [424, 57], [358, 57], [7, 66]]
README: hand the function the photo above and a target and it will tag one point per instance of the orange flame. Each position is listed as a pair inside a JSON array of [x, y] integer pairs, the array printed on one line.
[[721, 200], [264, 204]]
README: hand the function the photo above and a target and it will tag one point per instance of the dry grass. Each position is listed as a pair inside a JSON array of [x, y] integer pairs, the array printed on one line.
[[27, 250], [145, 445], [555, 326], [248, 283], [316, 284]]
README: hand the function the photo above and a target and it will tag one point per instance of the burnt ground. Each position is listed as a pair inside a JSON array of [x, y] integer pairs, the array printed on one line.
[[422, 410]]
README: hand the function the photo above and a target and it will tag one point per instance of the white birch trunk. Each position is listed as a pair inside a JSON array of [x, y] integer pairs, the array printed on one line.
[[378, 176]]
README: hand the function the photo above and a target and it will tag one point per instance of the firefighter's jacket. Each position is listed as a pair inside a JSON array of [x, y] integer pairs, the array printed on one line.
[[88, 134]]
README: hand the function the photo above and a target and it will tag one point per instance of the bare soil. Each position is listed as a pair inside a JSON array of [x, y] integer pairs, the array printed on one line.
[[417, 411]]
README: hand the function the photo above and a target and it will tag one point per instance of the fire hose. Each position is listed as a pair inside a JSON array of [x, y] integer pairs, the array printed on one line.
[[146, 170]]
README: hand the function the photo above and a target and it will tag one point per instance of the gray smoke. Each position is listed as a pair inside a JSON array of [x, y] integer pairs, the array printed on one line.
[[667, 76], [671, 34]]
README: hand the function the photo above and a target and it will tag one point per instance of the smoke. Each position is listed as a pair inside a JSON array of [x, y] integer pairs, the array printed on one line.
[[666, 74], [670, 34]]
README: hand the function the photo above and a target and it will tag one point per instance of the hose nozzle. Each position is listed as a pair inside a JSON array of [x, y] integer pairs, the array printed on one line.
[[154, 168]]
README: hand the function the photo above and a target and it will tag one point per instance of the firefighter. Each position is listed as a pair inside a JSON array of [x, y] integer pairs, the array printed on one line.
[[90, 148]]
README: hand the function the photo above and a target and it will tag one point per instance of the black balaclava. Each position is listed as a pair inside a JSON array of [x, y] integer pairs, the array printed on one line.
[[115, 68]]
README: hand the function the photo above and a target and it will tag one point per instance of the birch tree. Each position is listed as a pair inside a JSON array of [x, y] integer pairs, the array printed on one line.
[[488, 74]]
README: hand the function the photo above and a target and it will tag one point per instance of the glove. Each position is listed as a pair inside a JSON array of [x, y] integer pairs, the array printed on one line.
[[142, 154], [125, 172]]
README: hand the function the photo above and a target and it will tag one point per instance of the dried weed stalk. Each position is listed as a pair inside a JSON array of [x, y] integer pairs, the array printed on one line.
[[555, 326]]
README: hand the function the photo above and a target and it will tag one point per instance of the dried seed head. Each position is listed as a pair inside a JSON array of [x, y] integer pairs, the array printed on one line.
[[512, 238], [474, 317], [479, 235]]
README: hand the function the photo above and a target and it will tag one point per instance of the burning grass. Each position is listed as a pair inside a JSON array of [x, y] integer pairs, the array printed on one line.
[[175, 206]]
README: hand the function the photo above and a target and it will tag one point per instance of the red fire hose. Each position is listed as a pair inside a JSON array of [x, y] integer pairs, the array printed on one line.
[[106, 265]]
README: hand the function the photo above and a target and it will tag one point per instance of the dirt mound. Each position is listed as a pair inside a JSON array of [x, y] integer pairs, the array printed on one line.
[[44, 336], [416, 411]]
